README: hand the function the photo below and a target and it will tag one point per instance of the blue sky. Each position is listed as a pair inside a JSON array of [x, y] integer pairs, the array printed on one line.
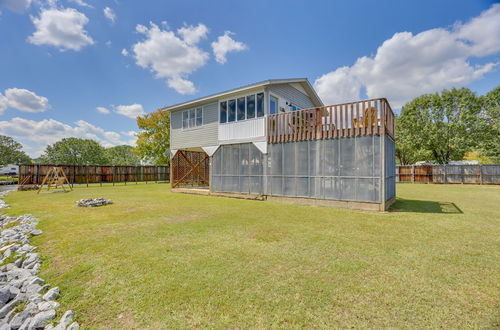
[[62, 60]]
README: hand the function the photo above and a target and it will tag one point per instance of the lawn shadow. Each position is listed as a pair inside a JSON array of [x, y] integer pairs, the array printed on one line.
[[419, 206]]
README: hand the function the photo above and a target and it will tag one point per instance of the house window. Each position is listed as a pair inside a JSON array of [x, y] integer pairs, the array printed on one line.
[[260, 105], [250, 106], [192, 118], [199, 116], [273, 105], [231, 110], [241, 108], [223, 112]]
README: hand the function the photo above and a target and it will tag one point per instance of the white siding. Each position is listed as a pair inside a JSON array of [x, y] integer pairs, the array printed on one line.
[[291, 94], [205, 135], [254, 129]]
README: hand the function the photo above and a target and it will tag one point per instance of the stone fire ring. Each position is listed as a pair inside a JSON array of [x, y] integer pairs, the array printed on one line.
[[93, 202]]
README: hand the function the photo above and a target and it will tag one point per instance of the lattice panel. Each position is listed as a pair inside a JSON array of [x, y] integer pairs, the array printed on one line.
[[190, 169]]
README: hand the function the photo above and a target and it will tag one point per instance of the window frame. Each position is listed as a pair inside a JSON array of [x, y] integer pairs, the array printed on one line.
[[194, 120], [245, 97], [271, 95]]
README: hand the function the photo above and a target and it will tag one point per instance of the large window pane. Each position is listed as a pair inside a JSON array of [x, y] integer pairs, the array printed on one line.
[[260, 104], [223, 112], [273, 105], [241, 108], [231, 110], [185, 119], [199, 116], [192, 118], [251, 106]]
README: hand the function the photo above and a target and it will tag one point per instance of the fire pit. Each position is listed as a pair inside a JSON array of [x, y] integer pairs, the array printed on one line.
[[93, 202]]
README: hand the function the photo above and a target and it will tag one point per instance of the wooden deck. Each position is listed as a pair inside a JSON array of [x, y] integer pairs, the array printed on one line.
[[361, 118]]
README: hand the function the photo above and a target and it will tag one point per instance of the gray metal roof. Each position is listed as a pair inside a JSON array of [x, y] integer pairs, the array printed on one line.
[[306, 84]]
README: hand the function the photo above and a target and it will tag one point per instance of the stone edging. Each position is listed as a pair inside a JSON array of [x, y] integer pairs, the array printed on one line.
[[26, 302]]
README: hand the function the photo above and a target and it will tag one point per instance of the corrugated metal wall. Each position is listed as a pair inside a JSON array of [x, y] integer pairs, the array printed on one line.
[[339, 169], [390, 168], [238, 168]]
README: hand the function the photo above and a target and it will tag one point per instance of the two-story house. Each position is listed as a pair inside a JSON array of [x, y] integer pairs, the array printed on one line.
[[276, 140]]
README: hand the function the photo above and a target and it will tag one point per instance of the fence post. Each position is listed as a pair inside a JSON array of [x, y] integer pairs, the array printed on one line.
[[36, 174], [87, 175], [113, 176], [413, 174], [445, 174], [480, 173]]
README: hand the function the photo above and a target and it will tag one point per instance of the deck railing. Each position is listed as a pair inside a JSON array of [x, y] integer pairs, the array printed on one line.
[[367, 117]]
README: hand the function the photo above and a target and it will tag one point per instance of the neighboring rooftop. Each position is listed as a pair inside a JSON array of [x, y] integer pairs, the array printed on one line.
[[303, 81]]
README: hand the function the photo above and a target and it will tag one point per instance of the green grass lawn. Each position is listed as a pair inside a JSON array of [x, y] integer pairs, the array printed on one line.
[[155, 259], [8, 178]]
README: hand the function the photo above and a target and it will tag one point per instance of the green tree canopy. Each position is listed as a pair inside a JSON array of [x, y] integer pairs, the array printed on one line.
[[438, 127], [489, 128], [76, 152], [122, 155], [153, 141], [11, 152]]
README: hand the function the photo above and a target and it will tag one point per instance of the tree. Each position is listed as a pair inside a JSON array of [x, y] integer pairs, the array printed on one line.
[[439, 127], [489, 128], [407, 152], [75, 151], [153, 141], [11, 152], [122, 155]]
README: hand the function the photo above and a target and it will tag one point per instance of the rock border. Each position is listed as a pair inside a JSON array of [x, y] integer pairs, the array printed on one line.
[[26, 301], [93, 202]]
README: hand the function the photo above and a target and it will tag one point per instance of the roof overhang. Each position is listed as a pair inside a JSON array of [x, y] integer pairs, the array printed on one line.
[[303, 81]]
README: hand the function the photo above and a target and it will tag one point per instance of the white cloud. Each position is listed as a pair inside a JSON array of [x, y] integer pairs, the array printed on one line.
[[61, 28], [103, 110], [23, 100], [110, 14], [182, 86], [109, 43], [124, 52], [193, 34], [408, 65], [81, 3], [17, 6], [113, 137], [169, 56], [3, 104], [36, 135], [131, 111], [225, 44]]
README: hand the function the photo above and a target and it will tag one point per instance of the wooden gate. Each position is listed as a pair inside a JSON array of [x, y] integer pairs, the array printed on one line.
[[190, 169]]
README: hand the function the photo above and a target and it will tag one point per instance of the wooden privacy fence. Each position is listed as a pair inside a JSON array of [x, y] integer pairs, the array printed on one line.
[[368, 117], [88, 174], [475, 174]]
